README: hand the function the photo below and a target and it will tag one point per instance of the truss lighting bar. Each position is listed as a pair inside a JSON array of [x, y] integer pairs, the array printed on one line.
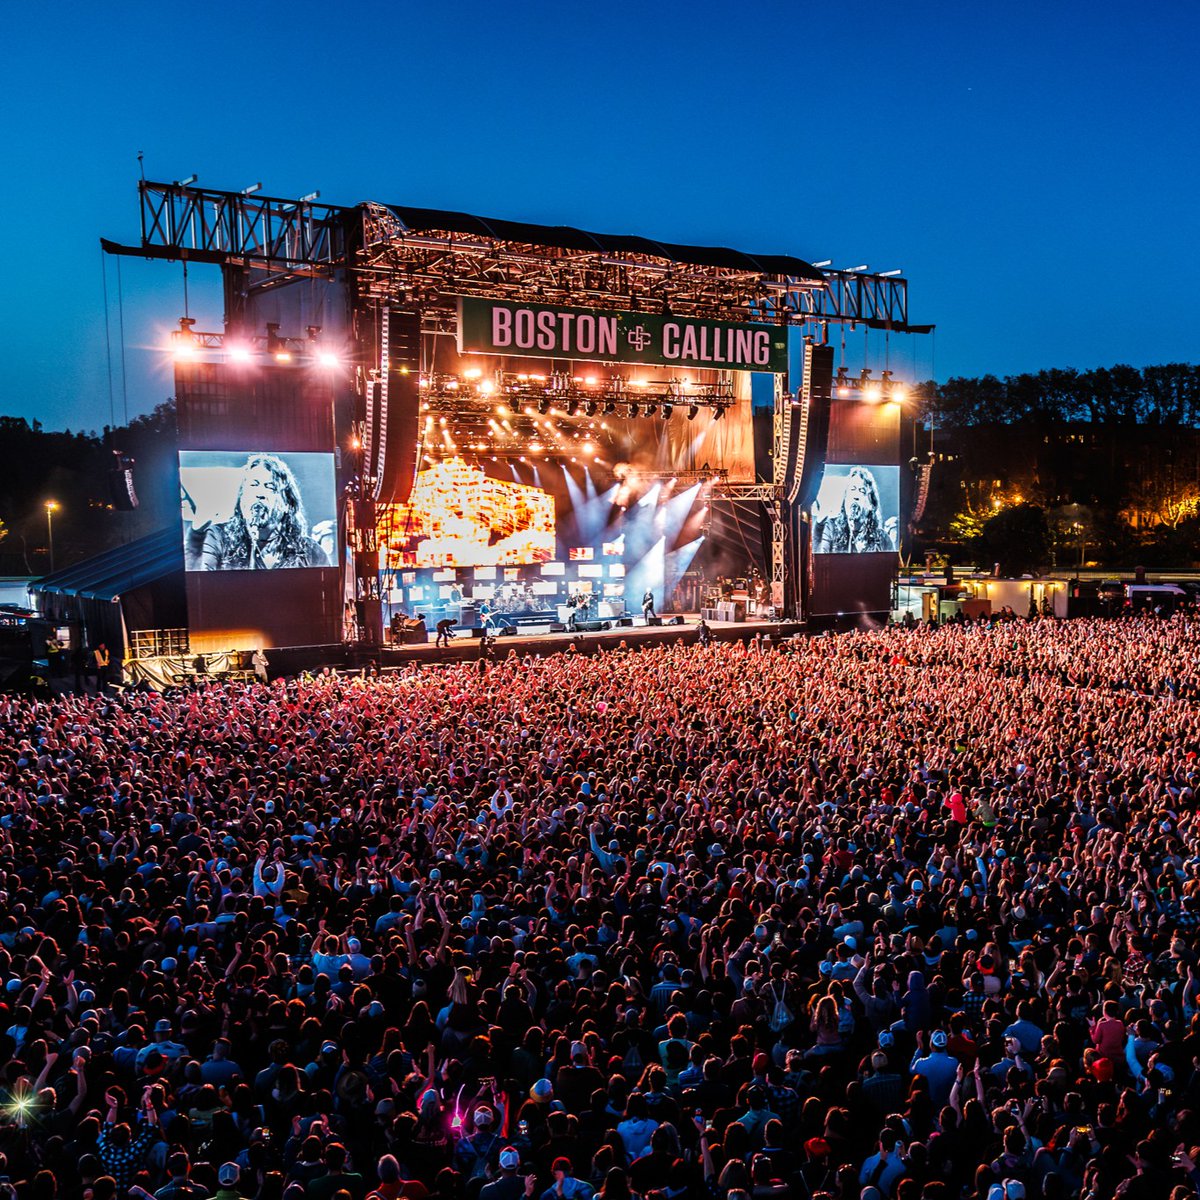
[[864, 387], [189, 344], [682, 479], [571, 396]]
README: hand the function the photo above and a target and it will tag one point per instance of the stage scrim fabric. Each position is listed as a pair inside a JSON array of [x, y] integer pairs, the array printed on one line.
[[166, 671], [727, 443]]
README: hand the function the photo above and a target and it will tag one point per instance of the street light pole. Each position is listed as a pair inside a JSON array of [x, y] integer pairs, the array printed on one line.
[[51, 507]]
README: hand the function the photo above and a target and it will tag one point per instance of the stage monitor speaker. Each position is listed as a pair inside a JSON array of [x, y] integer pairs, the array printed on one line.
[[654, 620], [593, 626], [624, 622], [508, 631], [557, 627], [675, 621]]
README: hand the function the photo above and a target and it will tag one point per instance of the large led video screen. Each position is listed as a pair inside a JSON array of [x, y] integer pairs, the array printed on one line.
[[256, 511], [857, 510], [458, 516]]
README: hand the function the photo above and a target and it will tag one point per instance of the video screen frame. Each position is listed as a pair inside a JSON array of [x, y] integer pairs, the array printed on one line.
[[252, 510], [857, 509]]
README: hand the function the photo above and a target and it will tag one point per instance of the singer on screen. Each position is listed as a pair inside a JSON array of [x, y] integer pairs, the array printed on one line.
[[268, 529]]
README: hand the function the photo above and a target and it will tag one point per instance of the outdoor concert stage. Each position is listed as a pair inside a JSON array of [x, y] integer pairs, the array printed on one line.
[[411, 412], [637, 637]]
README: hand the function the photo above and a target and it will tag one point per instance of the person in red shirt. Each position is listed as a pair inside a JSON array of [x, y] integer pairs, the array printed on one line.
[[957, 806], [1108, 1033]]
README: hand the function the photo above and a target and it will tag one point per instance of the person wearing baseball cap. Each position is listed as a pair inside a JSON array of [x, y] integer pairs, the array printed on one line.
[[938, 1066], [228, 1177], [508, 1184], [476, 1153]]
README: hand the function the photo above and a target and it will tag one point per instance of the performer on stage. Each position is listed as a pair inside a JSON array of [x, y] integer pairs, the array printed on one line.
[[492, 621], [579, 612], [445, 628], [648, 604]]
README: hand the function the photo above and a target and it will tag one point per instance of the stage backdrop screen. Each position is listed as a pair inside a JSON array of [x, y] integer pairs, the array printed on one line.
[[458, 516], [857, 510], [253, 511]]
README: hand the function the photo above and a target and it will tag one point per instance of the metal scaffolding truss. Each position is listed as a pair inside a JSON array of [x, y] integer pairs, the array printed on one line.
[[201, 224], [430, 268], [421, 266], [765, 493], [848, 297]]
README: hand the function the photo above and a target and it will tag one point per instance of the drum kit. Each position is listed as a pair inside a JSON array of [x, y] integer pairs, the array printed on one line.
[[513, 598]]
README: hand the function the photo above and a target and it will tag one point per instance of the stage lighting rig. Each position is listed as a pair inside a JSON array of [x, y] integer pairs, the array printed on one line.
[[864, 387]]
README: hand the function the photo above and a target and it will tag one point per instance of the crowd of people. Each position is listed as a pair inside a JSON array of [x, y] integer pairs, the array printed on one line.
[[893, 915]]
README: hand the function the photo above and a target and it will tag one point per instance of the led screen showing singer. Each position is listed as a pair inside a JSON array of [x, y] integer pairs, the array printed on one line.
[[857, 510], [254, 511]]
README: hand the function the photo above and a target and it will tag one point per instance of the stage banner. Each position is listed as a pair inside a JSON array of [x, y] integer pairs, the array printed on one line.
[[544, 331]]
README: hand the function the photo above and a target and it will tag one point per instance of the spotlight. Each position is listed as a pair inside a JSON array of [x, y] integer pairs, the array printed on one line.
[[327, 359], [693, 411], [718, 412], [634, 411], [543, 406], [609, 408], [664, 411], [572, 406], [240, 354], [589, 408]]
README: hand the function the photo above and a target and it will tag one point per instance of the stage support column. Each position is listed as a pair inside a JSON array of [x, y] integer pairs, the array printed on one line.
[[367, 598], [780, 441]]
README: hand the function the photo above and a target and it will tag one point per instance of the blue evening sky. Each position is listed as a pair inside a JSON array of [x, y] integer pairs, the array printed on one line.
[[1031, 167]]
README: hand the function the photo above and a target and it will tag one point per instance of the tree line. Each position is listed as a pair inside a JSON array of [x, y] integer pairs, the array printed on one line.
[[1167, 395], [1063, 468], [74, 470]]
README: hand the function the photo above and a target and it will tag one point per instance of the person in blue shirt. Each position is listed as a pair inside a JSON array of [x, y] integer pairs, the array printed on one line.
[[937, 1065]]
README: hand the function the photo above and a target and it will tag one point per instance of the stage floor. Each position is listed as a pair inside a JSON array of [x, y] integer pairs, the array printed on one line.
[[464, 647]]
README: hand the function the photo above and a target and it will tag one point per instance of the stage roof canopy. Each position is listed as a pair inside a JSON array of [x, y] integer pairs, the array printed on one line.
[[565, 237], [115, 573]]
